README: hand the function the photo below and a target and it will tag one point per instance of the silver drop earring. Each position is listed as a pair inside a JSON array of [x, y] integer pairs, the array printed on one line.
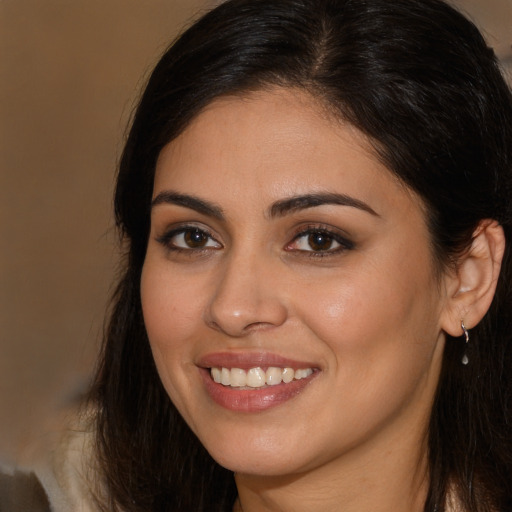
[[465, 359]]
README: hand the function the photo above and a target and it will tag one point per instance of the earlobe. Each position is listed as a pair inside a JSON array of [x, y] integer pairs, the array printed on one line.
[[473, 284]]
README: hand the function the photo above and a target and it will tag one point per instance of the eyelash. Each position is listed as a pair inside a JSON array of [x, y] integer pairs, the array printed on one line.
[[327, 232], [166, 240]]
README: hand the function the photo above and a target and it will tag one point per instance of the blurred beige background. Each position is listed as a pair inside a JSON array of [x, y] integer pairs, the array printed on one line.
[[70, 72]]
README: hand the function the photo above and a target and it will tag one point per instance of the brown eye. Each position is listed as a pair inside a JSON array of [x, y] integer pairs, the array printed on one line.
[[320, 241], [188, 239], [195, 238]]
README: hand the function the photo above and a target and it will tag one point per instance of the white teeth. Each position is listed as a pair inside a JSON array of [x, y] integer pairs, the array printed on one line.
[[216, 374], [238, 378], [288, 375], [225, 377], [303, 373], [257, 377], [273, 376]]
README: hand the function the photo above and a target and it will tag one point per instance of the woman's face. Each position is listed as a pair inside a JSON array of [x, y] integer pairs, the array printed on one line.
[[285, 261]]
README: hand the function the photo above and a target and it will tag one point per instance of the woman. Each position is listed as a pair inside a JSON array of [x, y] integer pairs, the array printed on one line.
[[315, 312]]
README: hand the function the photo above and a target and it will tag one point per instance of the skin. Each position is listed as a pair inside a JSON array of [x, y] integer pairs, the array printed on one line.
[[369, 316]]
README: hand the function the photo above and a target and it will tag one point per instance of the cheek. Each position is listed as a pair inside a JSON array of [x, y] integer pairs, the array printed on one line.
[[381, 352], [379, 322], [171, 308], [171, 315]]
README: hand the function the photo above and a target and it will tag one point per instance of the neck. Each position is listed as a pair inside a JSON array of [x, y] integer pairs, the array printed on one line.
[[365, 479]]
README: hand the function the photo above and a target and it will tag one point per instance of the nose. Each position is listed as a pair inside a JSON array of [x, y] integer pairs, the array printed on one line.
[[247, 297]]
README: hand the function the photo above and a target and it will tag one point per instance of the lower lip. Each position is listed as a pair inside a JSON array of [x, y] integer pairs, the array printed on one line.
[[256, 399]]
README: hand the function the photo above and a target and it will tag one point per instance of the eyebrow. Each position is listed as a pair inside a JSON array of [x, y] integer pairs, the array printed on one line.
[[188, 201], [302, 202], [278, 209]]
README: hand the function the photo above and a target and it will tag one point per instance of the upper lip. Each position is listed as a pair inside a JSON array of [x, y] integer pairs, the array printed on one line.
[[247, 360]]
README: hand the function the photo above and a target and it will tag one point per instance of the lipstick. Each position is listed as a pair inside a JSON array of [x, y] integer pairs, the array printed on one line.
[[249, 396]]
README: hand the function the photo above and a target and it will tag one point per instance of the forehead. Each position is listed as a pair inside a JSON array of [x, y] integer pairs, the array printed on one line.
[[272, 143]]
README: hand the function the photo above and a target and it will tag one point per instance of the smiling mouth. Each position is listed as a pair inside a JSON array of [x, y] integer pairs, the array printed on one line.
[[257, 377]]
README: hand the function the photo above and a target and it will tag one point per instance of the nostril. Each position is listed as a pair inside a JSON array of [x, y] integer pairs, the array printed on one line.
[[240, 323], [258, 326]]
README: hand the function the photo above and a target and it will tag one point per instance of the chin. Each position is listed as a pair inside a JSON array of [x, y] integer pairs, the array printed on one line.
[[269, 451]]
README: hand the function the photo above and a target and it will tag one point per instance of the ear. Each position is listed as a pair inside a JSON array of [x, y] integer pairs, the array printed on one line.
[[470, 288]]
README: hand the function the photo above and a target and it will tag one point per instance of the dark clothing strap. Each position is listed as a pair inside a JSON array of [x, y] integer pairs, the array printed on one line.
[[22, 492]]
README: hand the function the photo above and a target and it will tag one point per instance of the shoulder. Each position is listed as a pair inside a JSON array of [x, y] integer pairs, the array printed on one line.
[[68, 474], [21, 491]]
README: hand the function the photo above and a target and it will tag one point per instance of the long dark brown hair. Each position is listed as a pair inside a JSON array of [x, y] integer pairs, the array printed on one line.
[[418, 79]]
